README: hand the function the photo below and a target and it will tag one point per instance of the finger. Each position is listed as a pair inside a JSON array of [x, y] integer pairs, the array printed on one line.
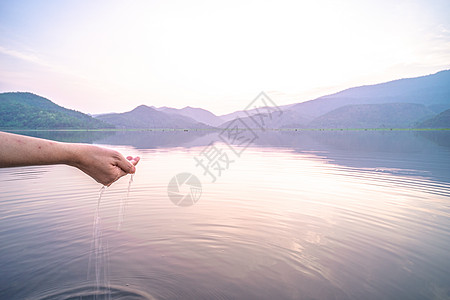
[[135, 160], [126, 165]]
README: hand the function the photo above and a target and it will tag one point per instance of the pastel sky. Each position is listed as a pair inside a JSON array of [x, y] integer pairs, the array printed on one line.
[[104, 56]]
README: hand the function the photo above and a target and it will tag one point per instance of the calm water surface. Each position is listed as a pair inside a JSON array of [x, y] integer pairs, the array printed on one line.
[[299, 215]]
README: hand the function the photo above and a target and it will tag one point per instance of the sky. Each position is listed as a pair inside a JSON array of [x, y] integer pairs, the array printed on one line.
[[111, 56]]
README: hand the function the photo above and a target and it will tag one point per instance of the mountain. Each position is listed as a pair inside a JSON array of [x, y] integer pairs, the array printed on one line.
[[442, 120], [29, 111], [199, 114], [245, 113], [286, 119], [432, 91], [145, 117], [389, 115], [399, 103], [234, 115]]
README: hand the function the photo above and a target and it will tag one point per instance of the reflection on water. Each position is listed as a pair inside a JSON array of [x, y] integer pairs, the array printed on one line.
[[75, 136], [300, 215]]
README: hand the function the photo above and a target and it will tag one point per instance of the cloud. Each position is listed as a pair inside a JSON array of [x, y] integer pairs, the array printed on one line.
[[31, 57], [49, 68]]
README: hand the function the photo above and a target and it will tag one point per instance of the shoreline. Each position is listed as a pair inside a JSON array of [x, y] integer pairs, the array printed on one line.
[[222, 129]]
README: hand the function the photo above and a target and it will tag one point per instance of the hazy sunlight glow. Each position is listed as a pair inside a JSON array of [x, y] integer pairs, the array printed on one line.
[[114, 55]]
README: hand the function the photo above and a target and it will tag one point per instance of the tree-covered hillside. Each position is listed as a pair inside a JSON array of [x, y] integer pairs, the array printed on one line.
[[29, 111], [388, 115], [442, 120]]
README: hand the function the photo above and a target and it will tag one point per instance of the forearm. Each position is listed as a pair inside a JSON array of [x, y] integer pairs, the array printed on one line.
[[102, 164], [18, 150]]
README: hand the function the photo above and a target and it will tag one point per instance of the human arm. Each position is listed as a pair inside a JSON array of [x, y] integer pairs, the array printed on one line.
[[104, 165]]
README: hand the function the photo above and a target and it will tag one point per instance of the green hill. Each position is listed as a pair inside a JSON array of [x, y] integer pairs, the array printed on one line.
[[29, 111], [442, 120]]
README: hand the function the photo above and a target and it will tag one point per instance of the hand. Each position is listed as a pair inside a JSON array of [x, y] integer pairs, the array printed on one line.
[[104, 165]]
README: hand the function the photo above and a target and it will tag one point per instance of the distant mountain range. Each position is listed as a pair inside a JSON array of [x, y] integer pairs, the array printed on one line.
[[393, 115], [199, 114], [402, 103], [421, 102], [145, 117], [432, 91]]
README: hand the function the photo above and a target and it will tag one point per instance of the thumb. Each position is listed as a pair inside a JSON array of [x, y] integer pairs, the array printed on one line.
[[125, 165]]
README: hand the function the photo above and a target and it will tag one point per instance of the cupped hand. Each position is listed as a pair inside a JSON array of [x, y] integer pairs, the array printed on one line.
[[104, 165]]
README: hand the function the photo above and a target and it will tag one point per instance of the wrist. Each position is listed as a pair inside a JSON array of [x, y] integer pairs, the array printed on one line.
[[71, 154]]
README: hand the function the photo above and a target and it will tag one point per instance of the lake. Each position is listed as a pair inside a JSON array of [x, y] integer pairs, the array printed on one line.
[[287, 215]]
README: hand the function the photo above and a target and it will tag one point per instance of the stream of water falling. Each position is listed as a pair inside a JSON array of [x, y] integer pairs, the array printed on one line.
[[124, 204], [100, 251], [99, 246]]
